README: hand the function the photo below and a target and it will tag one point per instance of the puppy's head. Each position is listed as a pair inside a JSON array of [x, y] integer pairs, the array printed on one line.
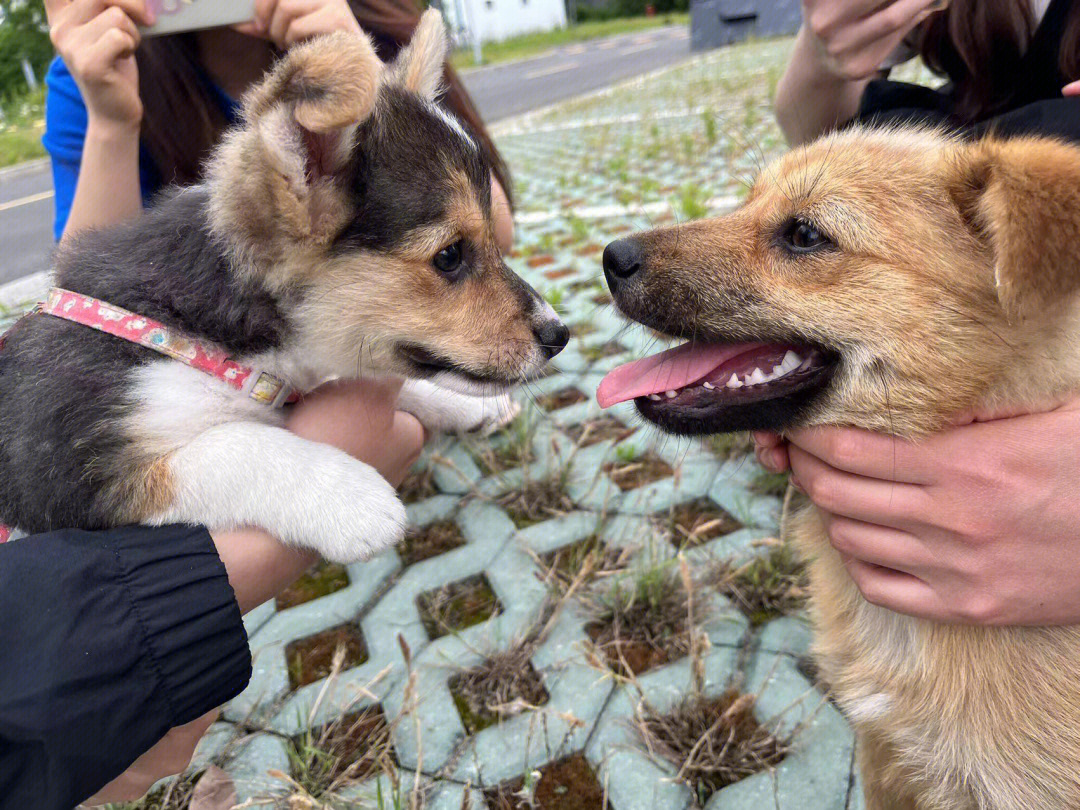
[[367, 208], [880, 279]]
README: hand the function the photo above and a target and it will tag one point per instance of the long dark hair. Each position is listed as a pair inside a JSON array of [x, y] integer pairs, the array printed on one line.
[[182, 120], [980, 44]]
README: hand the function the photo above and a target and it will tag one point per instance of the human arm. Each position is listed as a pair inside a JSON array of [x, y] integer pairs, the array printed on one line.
[[97, 630], [976, 524], [839, 49], [96, 39], [358, 417]]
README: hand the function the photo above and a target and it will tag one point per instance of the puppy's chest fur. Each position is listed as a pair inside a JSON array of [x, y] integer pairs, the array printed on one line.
[[86, 417]]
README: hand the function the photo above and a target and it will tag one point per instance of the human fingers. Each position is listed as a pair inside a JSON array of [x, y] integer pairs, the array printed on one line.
[[883, 503], [869, 454], [880, 545]]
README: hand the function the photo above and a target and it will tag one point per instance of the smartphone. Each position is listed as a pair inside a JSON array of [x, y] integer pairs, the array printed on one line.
[[176, 16]]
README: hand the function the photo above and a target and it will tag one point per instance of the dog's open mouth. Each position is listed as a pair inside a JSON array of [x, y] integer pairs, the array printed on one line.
[[427, 364], [711, 388]]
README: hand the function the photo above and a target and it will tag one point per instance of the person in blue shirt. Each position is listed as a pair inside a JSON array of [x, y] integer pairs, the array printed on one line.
[[126, 116]]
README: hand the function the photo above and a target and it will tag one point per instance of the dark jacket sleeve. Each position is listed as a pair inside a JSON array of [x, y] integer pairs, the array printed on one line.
[[107, 640]]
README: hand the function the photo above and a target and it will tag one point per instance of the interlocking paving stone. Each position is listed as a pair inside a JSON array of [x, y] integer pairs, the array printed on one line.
[[659, 150]]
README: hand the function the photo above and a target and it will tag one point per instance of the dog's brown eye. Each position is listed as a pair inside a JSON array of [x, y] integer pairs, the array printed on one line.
[[805, 237], [448, 260]]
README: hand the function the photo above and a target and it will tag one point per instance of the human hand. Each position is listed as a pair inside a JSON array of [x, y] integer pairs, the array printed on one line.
[[97, 41], [1071, 89], [286, 22], [852, 38], [171, 755], [977, 524]]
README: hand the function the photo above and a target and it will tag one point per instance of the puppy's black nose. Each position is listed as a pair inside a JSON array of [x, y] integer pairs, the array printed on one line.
[[622, 259], [552, 337]]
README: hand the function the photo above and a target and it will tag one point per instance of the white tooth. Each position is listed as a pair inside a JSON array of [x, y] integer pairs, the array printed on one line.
[[734, 382], [654, 397], [791, 361], [777, 372], [758, 377], [672, 394], [708, 386]]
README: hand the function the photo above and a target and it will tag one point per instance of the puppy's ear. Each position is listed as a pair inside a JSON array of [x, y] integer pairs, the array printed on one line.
[[311, 103], [274, 181], [1022, 199], [420, 65]]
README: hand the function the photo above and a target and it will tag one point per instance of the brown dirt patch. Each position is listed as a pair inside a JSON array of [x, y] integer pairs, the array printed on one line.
[[321, 579], [562, 272], [766, 587], [569, 784], [713, 742], [642, 623], [457, 606], [563, 398], [310, 659], [347, 751], [537, 501], [697, 522], [589, 557], [540, 261], [601, 429], [600, 299], [430, 541], [503, 686], [645, 469], [418, 485]]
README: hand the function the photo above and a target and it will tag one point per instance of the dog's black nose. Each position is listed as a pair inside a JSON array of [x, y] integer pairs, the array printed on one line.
[[622, 259], [552, 337]]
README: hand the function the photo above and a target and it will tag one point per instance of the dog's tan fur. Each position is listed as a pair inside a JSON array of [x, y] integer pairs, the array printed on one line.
[[954, 285]]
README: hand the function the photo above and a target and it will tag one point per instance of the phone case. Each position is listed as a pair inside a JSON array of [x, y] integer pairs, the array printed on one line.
[[174, 16]]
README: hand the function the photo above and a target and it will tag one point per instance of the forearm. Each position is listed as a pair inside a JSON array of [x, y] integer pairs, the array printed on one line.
[[259, 566], [108, 190], [110, 639], [810, 100]]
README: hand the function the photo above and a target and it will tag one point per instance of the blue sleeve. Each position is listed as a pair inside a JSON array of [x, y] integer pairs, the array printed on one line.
[[65, 134]]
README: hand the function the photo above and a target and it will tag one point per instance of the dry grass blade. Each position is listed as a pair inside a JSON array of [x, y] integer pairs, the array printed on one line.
[[504, 685], [714, 742], [537, 501], [766, 587]]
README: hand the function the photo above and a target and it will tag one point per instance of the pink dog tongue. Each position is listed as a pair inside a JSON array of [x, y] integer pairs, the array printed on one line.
[[670, 370]]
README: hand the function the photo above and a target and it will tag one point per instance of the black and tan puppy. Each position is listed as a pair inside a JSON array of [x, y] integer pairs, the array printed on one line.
[[345, 229], [888, 280]]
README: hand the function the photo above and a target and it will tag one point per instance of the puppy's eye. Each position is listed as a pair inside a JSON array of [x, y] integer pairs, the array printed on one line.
[[802, 237], [448, 260]]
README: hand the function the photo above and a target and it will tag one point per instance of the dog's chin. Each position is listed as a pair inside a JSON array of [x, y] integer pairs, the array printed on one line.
[[698, 411], [423, 364]]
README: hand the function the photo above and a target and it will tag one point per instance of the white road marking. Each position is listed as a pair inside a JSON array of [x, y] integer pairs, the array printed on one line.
[[574, 50], [638, 48], [29, 200], [539, 74]]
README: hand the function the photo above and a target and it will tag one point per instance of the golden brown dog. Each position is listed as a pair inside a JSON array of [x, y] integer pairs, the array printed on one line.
[[888, 280]]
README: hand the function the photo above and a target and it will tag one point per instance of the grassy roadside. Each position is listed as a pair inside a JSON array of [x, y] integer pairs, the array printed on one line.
[[21, 126], [532, 44]]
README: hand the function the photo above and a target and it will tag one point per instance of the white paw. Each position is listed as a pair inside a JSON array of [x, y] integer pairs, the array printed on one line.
[[444, 411], [351, 512]]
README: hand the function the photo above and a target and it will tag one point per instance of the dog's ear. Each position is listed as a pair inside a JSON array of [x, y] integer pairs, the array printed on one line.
[[274, 181], [1021, 198], [420, 65], [311, 103]]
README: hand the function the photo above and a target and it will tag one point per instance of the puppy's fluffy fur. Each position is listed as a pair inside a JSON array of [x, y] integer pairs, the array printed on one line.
[[345, 229], [946, 279]]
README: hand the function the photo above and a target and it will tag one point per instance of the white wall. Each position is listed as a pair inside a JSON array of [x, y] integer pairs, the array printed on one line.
[[499, 19]]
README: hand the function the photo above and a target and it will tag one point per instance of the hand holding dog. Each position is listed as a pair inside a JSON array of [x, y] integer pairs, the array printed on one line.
[[97, 41], [853, 39], [974, 525], [287, 22]]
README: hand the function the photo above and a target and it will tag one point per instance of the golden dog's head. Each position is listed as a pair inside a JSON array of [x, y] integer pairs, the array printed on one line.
[[876, 278]]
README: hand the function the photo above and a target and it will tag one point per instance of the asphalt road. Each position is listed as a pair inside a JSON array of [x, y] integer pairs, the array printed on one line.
[[500, 91]]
